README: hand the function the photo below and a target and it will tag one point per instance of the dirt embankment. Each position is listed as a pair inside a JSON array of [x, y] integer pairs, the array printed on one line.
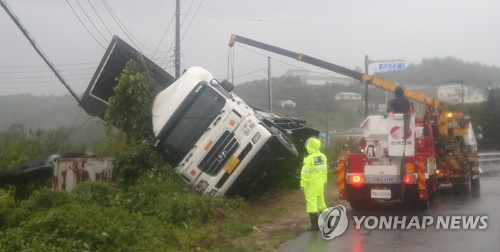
[[282, 216]]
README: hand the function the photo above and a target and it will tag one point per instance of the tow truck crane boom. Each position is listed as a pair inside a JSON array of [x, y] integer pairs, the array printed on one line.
[[435, 110]]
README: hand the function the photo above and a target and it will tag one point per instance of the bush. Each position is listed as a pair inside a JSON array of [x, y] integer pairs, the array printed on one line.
[[86, 227], [97, 192]]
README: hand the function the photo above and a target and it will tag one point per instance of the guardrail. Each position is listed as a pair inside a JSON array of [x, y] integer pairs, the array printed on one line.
[[489, 162]]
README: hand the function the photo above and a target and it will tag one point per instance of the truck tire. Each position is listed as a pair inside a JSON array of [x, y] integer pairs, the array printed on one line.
[[475, 184], [431, 192], [284, 141]]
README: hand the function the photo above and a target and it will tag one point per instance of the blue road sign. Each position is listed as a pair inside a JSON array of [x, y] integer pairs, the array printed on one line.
[[391, 66]]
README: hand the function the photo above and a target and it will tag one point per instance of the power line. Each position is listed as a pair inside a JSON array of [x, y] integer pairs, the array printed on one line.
[[163, 36], [92, 22], [42, 71], [44, 66], [39, 82], [196, 13], [172, 44], [99, 16], [124, 28], [81, 22], [38, 77], [249, 73], [38, 49], [282, 62]]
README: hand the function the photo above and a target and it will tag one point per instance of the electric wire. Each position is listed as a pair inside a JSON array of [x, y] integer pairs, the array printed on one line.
[[39, 82], [92, 22], [81, 22], [124, 29], [99, 16], [23, 71], [172, 44], [249, 73], [163, 36], [38, 49], [282, 62], [195, 14], [59, 65]]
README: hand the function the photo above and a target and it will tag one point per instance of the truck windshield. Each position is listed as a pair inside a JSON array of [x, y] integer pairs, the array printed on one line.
[[192, 123]]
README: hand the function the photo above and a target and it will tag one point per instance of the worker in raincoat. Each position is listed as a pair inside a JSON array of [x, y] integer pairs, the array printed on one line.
[[313, 179]]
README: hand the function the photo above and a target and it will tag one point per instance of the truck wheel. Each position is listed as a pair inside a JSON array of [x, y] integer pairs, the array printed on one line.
[[475, 184], [284, 141], [475, 187], [431, 189]]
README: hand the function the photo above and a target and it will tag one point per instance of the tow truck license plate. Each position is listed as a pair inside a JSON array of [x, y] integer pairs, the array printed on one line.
[[231, 164], [381, 194]]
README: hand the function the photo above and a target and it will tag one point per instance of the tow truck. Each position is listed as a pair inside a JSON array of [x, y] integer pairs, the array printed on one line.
[[402, 157]]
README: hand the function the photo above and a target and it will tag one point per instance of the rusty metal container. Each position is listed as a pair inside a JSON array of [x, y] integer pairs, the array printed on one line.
[[69, 172]]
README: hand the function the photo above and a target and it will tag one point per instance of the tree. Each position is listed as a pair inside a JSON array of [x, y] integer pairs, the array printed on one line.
[[130, 107], [490, 119]]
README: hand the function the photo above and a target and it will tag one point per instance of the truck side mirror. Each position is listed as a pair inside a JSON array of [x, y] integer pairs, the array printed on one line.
[[226, 85]]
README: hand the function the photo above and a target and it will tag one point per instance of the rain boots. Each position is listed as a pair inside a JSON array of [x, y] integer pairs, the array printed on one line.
[[314, 222]]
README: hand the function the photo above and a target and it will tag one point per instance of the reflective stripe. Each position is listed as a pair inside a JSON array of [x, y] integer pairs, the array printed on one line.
[[317, 169]]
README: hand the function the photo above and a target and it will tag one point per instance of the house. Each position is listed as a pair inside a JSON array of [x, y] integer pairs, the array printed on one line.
[[348, 96], [458, 93], [288, 104]]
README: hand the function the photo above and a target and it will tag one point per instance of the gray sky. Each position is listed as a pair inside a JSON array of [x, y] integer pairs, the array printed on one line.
[[340, 32]]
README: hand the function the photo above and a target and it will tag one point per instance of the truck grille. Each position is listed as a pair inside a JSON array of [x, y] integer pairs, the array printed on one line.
[[219, 154]]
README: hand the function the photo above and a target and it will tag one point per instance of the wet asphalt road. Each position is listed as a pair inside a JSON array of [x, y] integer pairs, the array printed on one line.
[[447, 203]]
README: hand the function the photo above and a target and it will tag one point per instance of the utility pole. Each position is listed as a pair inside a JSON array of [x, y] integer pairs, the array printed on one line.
[[270, 91], [462, 82], [177, 56], [367, 63]]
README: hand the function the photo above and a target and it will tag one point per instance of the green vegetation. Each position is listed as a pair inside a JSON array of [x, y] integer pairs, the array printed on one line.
[[19, 144], [130, 108], [158, 213], [487, 116]]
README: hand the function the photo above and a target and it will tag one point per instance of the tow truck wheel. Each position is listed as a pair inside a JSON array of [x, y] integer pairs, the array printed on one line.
[[475, 184], [431, 189]]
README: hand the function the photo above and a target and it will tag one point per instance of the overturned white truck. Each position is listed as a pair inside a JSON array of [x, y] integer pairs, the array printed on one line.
[[218, 143]]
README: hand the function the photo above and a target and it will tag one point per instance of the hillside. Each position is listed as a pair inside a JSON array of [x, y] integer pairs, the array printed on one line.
[[445, 70], [47, 113]]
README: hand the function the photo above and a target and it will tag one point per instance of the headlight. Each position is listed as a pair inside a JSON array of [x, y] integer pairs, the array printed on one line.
[[248, 127]]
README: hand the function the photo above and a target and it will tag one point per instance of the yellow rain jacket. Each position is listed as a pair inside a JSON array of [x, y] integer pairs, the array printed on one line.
[[313, 176]]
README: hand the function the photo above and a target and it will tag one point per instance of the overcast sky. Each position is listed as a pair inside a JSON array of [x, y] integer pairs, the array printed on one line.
[[340, 32]]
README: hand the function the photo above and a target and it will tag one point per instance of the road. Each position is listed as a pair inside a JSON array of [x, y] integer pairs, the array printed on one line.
[[447, 203]]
